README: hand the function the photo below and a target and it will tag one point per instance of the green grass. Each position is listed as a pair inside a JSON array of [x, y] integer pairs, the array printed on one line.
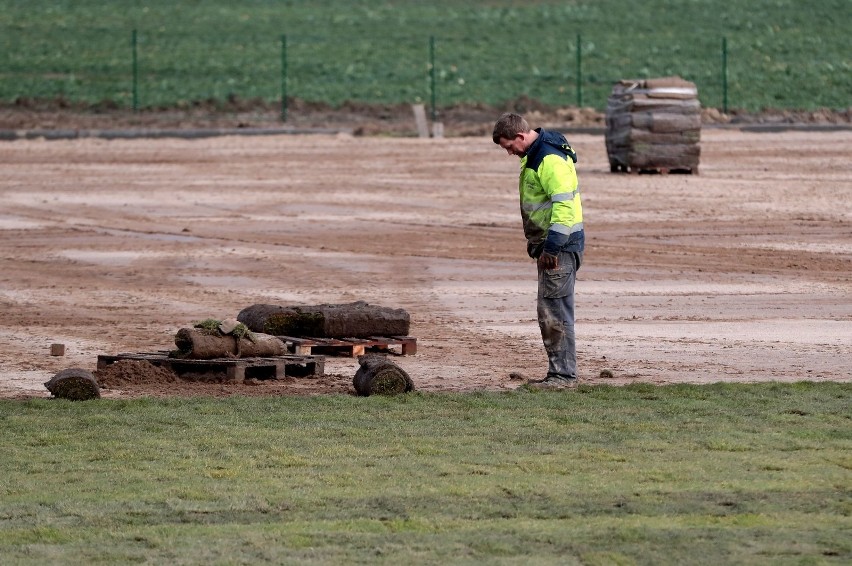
[[781, 54], [634, 475]]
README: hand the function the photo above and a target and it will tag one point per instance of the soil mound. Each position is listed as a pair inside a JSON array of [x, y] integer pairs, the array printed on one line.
[[360, 118], [124, 372]]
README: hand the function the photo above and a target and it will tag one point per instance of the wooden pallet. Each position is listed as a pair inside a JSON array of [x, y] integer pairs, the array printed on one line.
[[617, 168], [231, 369], [351, 347]]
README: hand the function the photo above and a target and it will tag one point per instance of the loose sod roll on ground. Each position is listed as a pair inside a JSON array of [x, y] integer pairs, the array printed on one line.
[[379, 376], [75, 384]]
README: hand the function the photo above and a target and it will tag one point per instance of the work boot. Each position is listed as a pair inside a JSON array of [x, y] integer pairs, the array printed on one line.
[[553, 383]]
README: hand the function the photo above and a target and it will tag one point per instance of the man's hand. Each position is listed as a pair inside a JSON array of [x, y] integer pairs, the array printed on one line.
[[547, 261]]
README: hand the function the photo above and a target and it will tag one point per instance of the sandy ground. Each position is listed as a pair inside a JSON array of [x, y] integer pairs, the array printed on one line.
[[741, 273]]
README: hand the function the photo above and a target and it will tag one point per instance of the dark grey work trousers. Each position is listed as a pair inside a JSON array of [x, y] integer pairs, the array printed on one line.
[[556, 315]]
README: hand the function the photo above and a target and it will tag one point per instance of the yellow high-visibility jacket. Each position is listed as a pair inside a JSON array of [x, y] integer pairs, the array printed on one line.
[[550, 196]]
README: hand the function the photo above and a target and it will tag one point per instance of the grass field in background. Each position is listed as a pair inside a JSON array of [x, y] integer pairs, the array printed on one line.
[[780, 53], [756, 474]]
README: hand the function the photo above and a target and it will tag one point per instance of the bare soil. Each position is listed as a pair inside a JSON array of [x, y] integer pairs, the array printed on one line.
[[359, 119], [741, 273]]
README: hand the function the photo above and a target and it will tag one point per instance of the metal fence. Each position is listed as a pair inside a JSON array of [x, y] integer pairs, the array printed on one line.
[[149, 68]]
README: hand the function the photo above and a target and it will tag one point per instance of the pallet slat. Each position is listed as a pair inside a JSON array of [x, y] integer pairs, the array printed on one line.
[[348, 347], [232, 369]]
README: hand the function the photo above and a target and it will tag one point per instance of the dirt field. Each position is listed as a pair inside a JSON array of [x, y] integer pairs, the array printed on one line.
[[741, 273]]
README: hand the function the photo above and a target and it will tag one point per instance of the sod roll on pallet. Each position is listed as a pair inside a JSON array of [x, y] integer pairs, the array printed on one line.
[[349, 320], [200, 344], [653, 125]]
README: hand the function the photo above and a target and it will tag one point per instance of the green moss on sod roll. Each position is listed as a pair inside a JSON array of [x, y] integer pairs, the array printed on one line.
[[294, 324], [75, 384], [379, 376]]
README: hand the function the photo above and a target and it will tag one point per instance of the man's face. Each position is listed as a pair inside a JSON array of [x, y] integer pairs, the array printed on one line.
[[516, 146]]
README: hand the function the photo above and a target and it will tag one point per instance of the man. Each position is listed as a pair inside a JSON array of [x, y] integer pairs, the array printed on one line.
[[553, 225]]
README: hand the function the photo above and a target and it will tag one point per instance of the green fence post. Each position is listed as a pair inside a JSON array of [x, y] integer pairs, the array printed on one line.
[[579, 72], [283, 78], [725, 75], [432, 75], [135, 72]]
